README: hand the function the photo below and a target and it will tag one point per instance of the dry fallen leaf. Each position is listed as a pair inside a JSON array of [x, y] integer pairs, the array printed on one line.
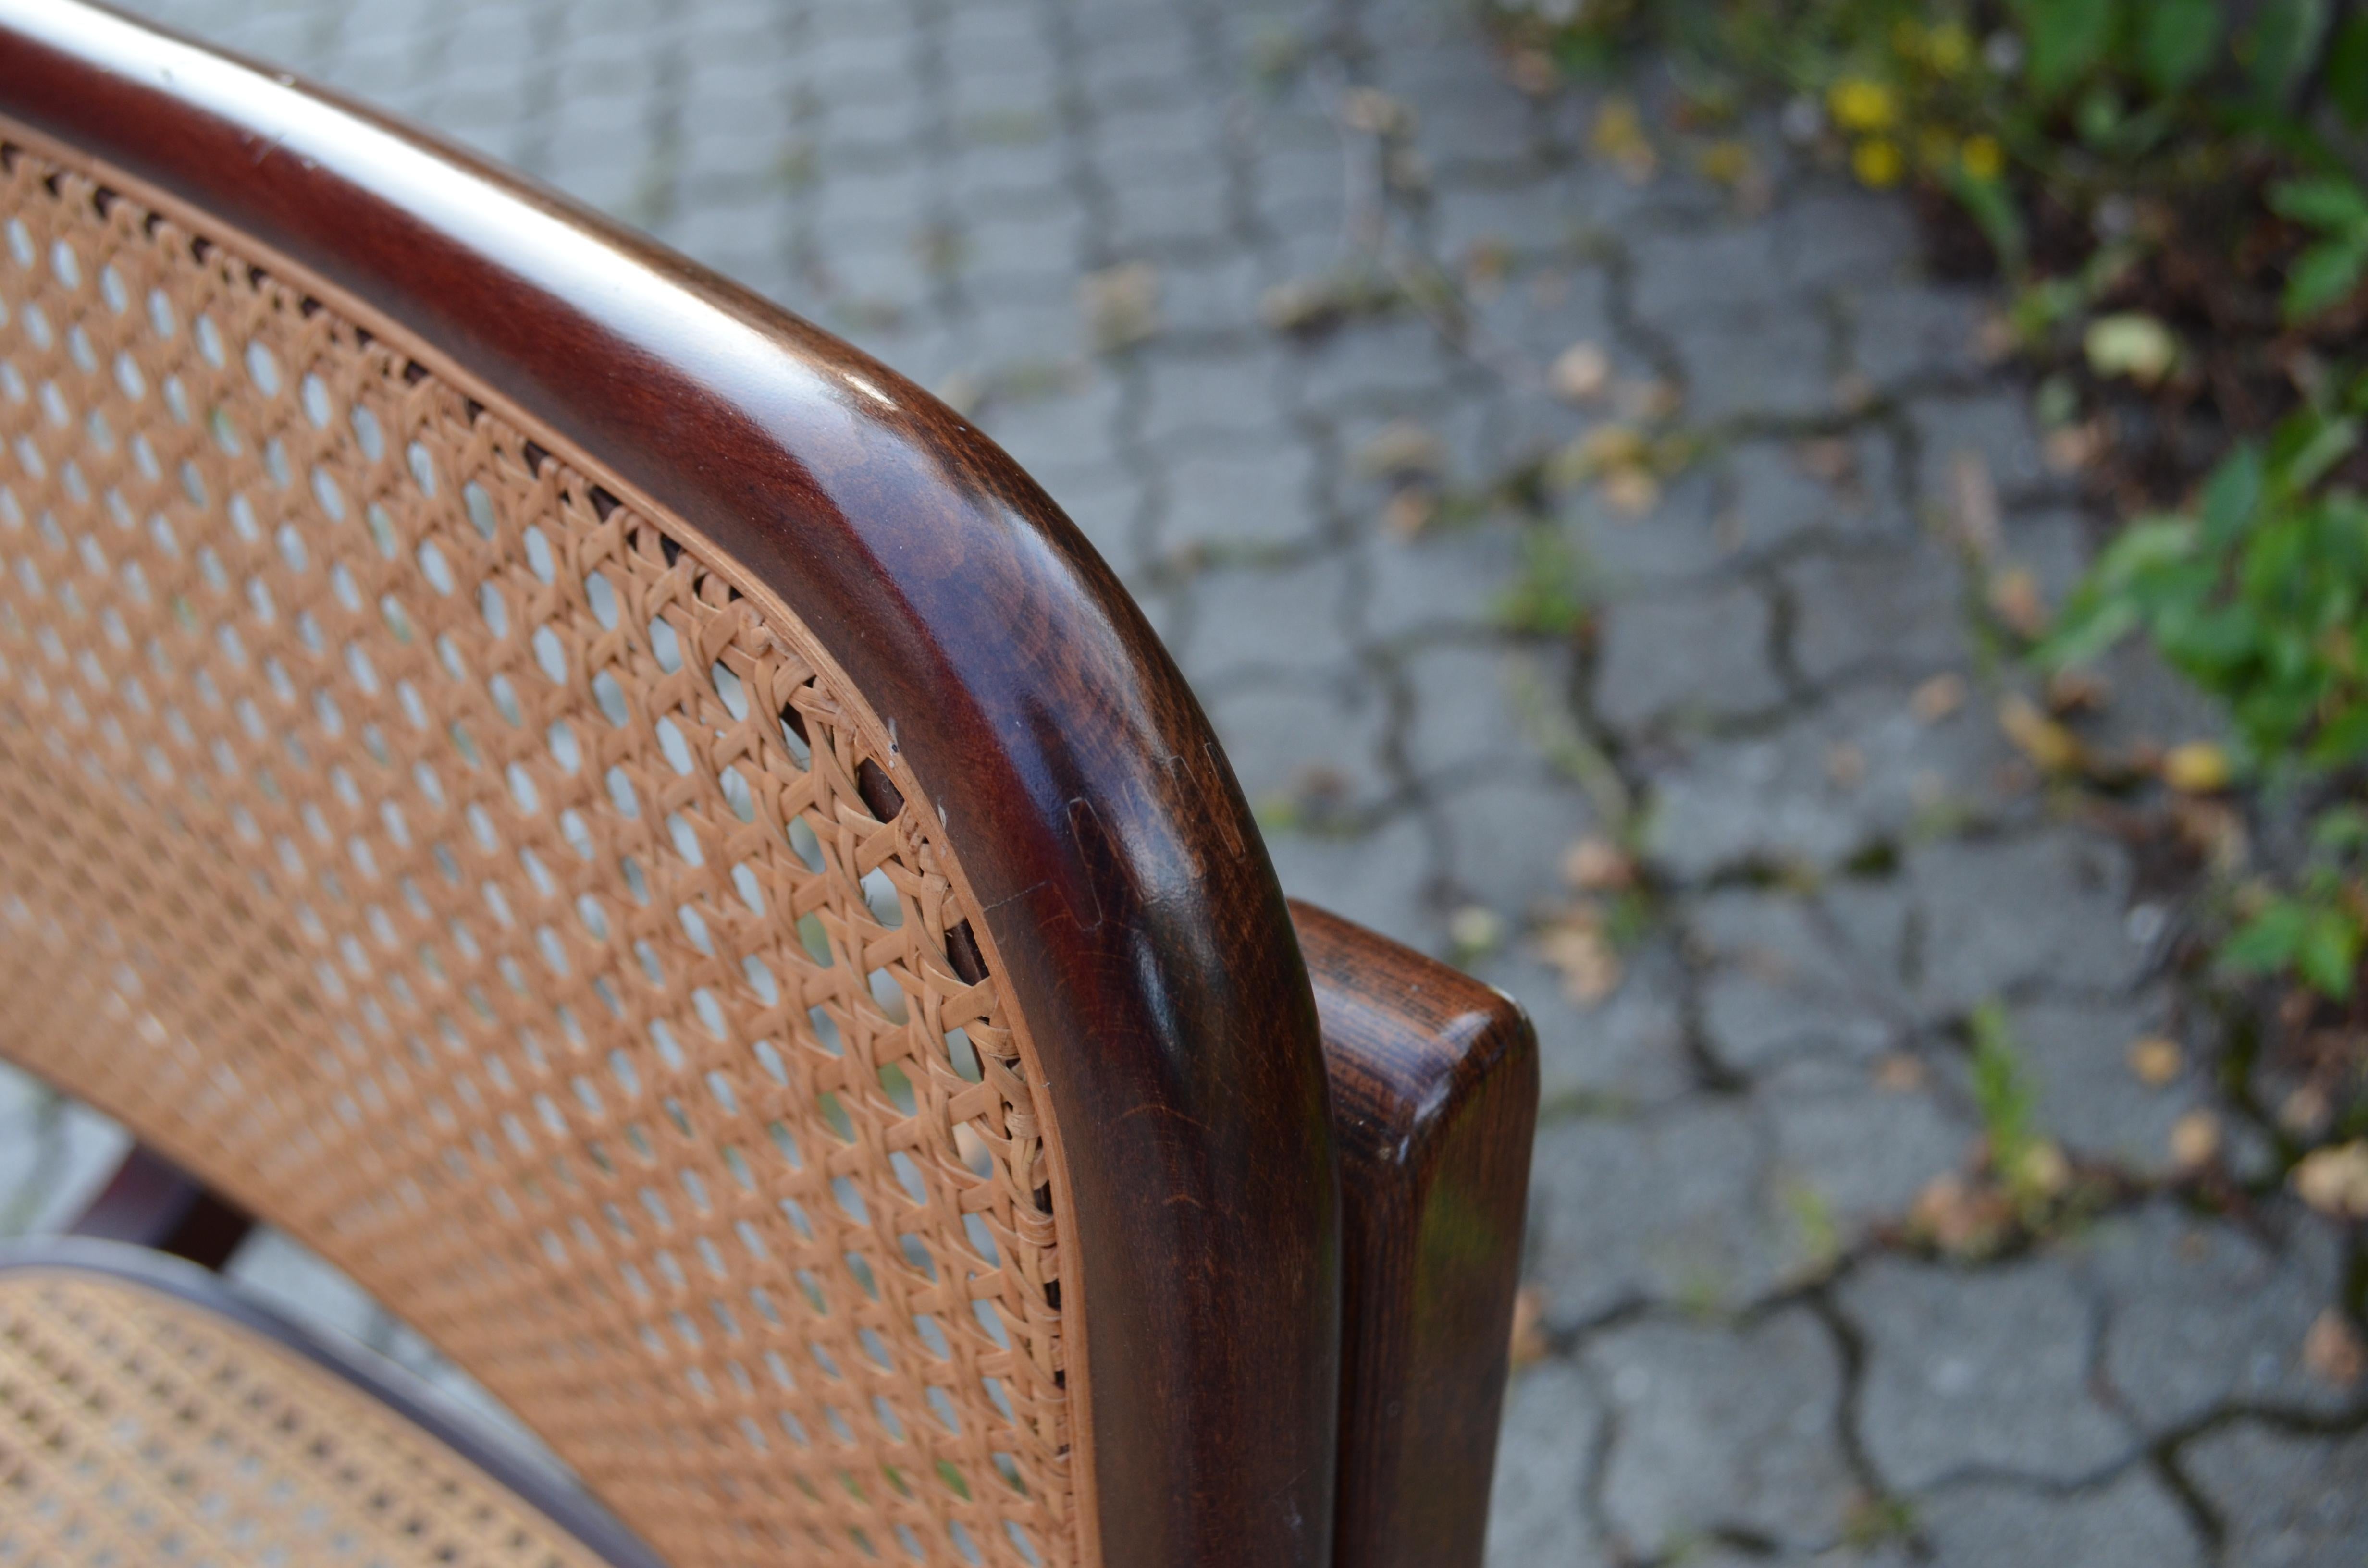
[[1374, 112], [1409, 511], [1958, 1217], [1120, 303], [1845, 765], [2198, 768], [2335, 1180], [2195, 1139], [2077, 691], [2304, 1112], [2048, 743], [1574, 945], [1938, 697], [1475, 929], [1827, 458], [2014, 599], [1595, 864], [1973, 507], [2333, 1350], [1401, 448], [1631, 492], [2075, 447], [1581, 373], [1530, 1327], [1619, 138], [1899, 1072], [2154, 1060]]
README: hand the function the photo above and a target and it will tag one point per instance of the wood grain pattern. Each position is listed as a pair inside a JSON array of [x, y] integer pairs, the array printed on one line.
[[1434, 1100], [1167, 1012]]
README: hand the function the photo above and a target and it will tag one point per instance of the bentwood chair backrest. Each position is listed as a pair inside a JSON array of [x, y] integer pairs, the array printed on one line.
[[634, 831]]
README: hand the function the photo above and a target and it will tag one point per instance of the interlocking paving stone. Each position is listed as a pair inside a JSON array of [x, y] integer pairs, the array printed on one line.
[[1979, 1371], [1553, 1424], [1719, 1429], [2134, 1522], [1834, 878], [2200, 1315], [1663, 1208], [2289, 1499]]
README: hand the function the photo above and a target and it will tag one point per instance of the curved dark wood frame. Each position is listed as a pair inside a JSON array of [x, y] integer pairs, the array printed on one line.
[[1124, 890], [569, 1507], [1434, 1103]]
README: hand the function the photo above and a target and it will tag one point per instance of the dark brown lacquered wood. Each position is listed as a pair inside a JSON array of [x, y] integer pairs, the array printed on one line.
[[1434, 1099], [151, 1202], [550, 1493], [1126, 899]]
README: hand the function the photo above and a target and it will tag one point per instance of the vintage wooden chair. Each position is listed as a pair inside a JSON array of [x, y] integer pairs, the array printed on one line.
[[643, 838]]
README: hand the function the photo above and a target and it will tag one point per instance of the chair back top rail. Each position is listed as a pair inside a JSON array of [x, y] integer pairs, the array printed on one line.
[[1165, 1013]]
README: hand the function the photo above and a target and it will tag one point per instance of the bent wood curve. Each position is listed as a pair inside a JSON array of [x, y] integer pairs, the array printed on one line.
[[1125, 897]]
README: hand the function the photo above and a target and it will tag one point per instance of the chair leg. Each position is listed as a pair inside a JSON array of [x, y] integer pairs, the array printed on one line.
[[152, 1203]]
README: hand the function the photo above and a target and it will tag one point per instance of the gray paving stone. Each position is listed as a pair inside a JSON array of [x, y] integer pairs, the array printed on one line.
[[1773, 500], [1979, 1371], [1507, 831], [1778, 365], [2002, 916], [1664, 1208], [1537, 1511], [2200, 1313], [1684, 539], [1310, 737], [1240, 496], [1861, 770], [1719, 1430], [1914, 333], [2088, 1097], [1851, 1152], [2287, 1500], [1252, 621], [1895, 612], [1828, 234], [1473, 710], [2134, 1522], [1993, 427], [1779, 985], [1703, 655], [1624, 1052], [1439, 582], [1383, 878], [1730, 275]]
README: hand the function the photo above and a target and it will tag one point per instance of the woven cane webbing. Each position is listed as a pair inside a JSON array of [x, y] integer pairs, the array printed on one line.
[[136, 1429], [477, 877]]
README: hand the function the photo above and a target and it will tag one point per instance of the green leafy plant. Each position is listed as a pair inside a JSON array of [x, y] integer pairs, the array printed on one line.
[[2317, 930], [2261, 597], [2336, 206]]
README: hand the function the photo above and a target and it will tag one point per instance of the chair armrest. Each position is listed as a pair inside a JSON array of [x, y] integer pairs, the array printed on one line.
[[1434, 1088]]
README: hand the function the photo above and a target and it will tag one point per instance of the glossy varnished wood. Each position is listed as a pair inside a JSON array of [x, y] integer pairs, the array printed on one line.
[[1434, 1098], [1125, 897]]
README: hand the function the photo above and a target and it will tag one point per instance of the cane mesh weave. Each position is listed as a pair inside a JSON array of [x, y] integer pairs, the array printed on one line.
[[480, 878], [138, 1430]]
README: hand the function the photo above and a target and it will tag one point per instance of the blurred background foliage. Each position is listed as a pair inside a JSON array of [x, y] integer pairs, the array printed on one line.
[[2170, 193]]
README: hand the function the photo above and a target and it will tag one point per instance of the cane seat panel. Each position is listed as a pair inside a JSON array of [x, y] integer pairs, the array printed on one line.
[[474, 872], [136, 1429]]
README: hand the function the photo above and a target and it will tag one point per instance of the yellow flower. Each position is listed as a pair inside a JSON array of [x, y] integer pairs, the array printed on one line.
[[1983, 158], [1877, 161], [1950, 48], [1858, 104]]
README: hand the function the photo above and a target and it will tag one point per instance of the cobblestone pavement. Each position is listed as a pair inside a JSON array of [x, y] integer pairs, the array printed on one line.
[[1092, 221]]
